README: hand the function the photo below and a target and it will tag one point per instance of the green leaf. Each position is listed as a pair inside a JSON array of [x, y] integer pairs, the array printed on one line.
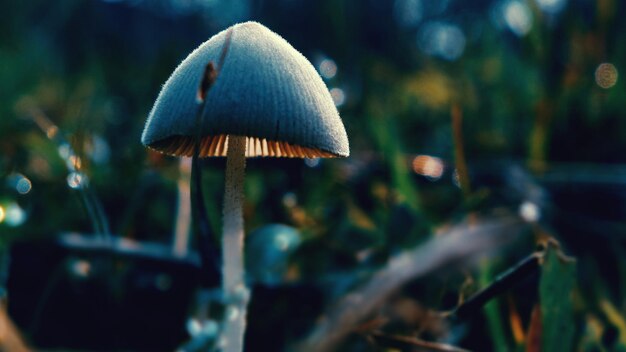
[[492, 311], [555, 292]]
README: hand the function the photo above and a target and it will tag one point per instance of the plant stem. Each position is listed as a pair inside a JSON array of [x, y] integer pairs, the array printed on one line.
[[236, 294], [459, 151], [527, 267]]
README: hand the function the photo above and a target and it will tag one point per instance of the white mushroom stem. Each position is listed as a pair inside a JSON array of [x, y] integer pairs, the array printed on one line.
[[183, 216], [236, 294]]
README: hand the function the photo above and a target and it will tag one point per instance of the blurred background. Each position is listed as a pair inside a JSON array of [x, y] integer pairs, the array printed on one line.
[[456, 112]]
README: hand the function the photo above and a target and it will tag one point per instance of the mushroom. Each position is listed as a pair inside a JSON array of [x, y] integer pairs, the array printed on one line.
[[268, 101]]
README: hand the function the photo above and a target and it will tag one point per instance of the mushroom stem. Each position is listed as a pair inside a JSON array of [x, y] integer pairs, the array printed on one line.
[[236, 294]]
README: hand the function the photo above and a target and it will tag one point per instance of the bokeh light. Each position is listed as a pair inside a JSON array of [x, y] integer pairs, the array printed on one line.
[[80, 268], [283, 241], [327, 68], [76, 180], [442, 39], [268, 251], [2, 214], [429, 166], [518, 17], [312, 162], [20, 183], [99, 150], [408, 13], [14, 215], [23, 186], [39, 166], [65, 151], [74, 162], [52, 131], [551, 6], [338, 95], [290, 200], [529, 211], [606, 75]]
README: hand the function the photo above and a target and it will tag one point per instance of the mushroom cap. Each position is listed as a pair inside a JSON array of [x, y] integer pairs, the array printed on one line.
[[266, 91]]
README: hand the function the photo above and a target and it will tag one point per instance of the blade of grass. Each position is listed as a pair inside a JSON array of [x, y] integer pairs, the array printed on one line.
[[492, 313], [459, 150], [206, 239], [616, 318], [494, 287], [384, 130], [556, 287], [533, 341], [515, 321]]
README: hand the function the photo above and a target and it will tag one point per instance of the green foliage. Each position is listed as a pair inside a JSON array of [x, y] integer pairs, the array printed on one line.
[[95, 67], [556, 290], [493, 313]]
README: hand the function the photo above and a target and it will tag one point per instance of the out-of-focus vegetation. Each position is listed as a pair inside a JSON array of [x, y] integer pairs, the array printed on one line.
[[458, 112]]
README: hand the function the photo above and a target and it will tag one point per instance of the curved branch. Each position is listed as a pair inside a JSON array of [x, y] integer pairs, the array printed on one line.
[[462, 243]]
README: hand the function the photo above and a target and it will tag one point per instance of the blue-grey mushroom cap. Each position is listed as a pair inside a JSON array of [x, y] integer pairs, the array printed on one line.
[[266, 91]]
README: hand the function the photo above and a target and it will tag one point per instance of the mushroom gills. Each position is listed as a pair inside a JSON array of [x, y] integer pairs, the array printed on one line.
[[218, 146]]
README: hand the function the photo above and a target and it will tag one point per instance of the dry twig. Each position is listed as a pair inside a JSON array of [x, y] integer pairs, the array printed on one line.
[[461, 244]]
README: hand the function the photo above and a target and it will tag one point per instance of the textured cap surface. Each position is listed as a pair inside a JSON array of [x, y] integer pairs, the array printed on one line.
[[266, 91]]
